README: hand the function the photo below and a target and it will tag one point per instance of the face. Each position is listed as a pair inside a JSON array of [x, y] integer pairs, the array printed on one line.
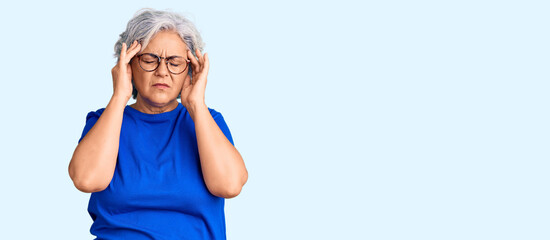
[[160, 87]]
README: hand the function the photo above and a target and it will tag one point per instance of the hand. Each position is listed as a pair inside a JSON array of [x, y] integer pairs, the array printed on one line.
[[192, 93], [122, 72]]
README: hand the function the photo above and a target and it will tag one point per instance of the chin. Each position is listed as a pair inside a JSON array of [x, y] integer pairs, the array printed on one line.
[[160, 99]]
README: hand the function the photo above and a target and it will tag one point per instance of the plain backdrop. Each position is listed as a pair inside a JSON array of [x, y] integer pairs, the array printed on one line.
[[356, 119]]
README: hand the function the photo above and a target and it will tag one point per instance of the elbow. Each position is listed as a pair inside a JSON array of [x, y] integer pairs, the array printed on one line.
[[231, 190], [84, 182], [88, 186], [228, 192], [85, 185]]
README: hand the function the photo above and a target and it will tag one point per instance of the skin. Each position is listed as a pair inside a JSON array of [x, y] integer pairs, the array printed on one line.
[[93, 163]]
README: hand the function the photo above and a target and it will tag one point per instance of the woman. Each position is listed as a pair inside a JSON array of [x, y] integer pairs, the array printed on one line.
[[158, 169]]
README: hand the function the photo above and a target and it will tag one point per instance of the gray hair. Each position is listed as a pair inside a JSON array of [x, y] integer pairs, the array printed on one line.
[[147, 22]]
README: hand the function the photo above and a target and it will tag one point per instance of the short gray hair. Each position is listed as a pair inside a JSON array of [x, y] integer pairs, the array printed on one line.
[[147, 22]]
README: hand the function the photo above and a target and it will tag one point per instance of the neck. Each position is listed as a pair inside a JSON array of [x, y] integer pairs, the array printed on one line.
[[154, 108]]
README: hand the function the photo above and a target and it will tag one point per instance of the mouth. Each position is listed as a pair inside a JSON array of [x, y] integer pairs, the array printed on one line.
[[161, 85]]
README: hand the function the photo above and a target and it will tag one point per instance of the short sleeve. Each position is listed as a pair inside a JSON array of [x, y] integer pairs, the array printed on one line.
[[91, 119], [222, 124]]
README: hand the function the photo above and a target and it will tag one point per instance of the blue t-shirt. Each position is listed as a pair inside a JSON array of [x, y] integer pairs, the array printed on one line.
[[157, 190]]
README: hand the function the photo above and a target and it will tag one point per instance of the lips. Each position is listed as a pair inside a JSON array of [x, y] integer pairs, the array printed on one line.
[[161, 85]]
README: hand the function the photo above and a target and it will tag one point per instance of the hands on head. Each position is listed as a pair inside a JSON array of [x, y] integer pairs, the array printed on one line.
[[193, 90], [122, 72], [192, 93]]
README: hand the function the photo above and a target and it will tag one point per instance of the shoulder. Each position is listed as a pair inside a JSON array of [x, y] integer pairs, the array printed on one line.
[[214, 113], [217, 116], [95, 114]]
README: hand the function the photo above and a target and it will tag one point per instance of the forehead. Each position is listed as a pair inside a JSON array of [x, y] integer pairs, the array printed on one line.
[[166, 42]]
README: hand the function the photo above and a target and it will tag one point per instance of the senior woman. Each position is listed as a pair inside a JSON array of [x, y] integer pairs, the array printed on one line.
[[158, 169]]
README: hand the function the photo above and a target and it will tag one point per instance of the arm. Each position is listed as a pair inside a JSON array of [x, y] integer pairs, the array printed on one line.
[[94, 159], [222, 166]]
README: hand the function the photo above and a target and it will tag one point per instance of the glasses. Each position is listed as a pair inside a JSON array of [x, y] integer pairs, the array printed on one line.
[[150, 62]]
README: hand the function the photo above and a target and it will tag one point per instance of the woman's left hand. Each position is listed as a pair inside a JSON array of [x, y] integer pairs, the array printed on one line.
[[192, 93]]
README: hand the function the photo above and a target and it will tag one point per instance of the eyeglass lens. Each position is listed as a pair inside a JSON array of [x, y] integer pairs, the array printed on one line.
[[150, 62]]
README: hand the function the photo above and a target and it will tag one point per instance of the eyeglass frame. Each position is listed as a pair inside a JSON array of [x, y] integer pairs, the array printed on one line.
[[159, 61]]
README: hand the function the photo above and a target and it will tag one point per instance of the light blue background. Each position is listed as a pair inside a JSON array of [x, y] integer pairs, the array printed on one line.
[[356, 120]]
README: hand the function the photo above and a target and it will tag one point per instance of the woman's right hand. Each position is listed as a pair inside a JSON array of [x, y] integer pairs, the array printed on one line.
[[122, 72]]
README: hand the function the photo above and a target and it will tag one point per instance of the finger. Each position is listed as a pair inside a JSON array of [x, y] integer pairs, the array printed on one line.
[[130, 52], [200, 56], [134, 50], [193, 58], [128, 47], [133, 46], [122, 59], [123, 51], [206, 65], [194, 61]]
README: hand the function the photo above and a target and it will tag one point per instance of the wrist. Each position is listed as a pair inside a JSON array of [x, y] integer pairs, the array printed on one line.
[[118, 98], [193, 109]]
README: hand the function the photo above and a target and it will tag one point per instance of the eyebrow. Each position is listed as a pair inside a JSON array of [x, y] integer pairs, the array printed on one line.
[[166, 57]]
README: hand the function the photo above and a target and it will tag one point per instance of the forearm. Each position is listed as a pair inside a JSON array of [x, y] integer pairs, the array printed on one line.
[[94, 159], [222, 165]]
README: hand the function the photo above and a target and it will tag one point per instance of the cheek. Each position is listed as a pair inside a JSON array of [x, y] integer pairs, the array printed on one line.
[[180, 82], [138, 75]]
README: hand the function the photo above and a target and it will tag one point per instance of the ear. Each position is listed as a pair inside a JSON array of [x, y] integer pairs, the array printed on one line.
[[186, 81], [134, 90]]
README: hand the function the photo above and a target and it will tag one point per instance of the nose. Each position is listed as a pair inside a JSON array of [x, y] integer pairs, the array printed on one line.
[[162, 70]]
